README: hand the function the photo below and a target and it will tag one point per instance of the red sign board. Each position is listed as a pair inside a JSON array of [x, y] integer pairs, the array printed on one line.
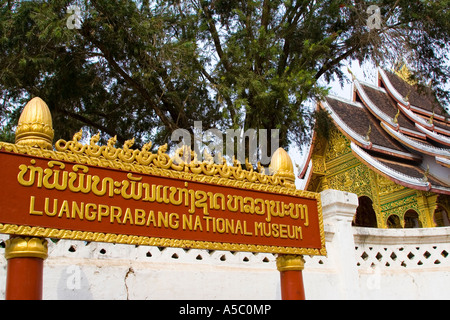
[[54, 198]]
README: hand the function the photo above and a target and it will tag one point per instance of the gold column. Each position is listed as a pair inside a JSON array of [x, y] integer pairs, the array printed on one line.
[[24, 275], [290, 266], [291, 278], [26, 255]]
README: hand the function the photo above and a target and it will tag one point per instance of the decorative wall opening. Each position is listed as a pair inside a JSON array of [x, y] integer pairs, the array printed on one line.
[[365, 214], [412, 219], [441, 217], [393, 222]]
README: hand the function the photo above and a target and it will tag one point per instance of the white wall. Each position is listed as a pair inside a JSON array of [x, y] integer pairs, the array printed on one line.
[[362, 263]]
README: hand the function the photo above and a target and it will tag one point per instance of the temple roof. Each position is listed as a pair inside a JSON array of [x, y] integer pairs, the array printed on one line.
[[421, 98], [360, 126], [398, 130]]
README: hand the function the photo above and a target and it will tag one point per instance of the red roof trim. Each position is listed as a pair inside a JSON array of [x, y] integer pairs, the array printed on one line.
[[427, 113], [360, 140], [380, 115], [418, 146], [391, 174], [434, 136]]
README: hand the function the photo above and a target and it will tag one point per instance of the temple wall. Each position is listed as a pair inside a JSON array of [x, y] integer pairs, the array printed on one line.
[[334, 166], [439, 171], [362, 263]]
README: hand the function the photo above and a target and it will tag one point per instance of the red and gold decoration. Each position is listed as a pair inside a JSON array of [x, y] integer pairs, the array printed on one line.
[[25, 257], [291, 278], [124, 195]]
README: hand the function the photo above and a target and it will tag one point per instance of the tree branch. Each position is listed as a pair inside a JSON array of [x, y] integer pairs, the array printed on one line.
[[330, 63], [108, 56], [215, 36], [94, 124]]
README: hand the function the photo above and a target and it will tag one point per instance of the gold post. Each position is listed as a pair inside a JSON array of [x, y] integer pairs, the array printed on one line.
[[291, 278], [25, 270], [26, 255]]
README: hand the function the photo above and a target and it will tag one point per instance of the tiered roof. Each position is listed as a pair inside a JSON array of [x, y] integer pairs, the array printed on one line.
[[397, 130]]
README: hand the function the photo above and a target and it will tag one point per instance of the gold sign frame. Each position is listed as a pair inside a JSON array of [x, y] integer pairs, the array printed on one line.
[[160, 164]]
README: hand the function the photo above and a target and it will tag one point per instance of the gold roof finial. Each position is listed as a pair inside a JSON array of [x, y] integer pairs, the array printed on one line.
[[395, 120], [35, 128], [426, 174], [369, 131], [406, 98], [405, 74], [351, 73], [430, 121], [281, 165]]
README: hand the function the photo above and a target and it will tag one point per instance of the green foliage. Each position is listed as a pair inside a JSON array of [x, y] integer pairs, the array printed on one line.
[[324, 124], [144, 68], [7, 134]]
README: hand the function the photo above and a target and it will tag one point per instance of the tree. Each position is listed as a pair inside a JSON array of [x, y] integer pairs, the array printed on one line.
[[145, 68]]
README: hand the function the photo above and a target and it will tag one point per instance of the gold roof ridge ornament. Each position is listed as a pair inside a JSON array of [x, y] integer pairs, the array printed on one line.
[[369, 131], [144, 160], [351, 73], [35, 128], [395, 119], [405, 74], [281, 166]]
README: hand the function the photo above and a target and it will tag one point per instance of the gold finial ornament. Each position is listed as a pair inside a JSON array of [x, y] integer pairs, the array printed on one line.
[[430, 121], [395, 120], [26, 247], [35, 128], [351, 73], [281, 166], [405, 74], [369, 131]]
